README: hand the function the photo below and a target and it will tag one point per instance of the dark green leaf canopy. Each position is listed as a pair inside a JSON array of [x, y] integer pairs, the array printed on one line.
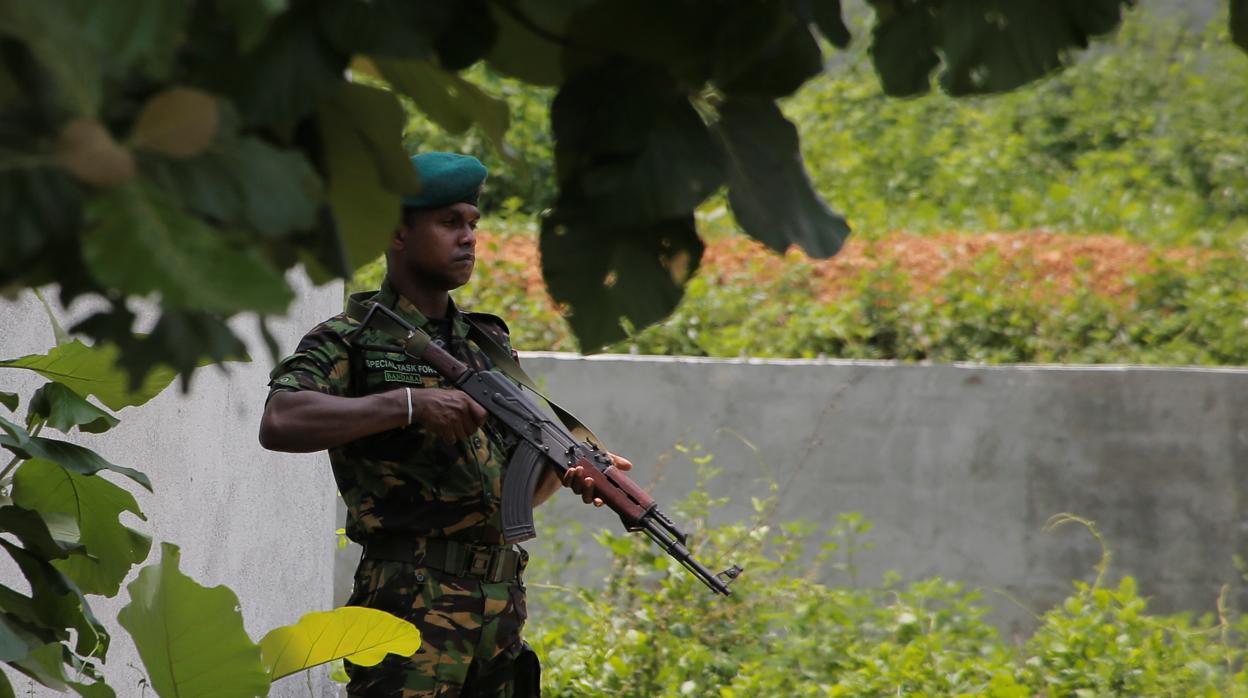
[[985, 46], [308, 167], [768, 188], [619, 278], [1239, 23]]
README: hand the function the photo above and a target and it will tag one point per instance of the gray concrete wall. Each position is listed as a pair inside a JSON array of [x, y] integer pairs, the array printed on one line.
[[259, 522], [958, 467]]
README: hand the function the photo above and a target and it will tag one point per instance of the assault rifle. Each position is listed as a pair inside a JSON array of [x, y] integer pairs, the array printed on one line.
[[543, 442]]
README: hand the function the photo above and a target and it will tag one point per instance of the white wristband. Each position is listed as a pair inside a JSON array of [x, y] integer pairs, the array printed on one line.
[[409, 406]]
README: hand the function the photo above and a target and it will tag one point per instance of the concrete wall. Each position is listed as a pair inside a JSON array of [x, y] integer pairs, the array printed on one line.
[[958, 467], [259, 522]]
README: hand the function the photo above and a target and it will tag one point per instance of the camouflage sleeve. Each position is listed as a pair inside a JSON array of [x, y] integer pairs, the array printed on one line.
[[321, 362]]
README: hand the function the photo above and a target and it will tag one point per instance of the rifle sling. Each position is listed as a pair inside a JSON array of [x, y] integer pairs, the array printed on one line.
[[357, 309]]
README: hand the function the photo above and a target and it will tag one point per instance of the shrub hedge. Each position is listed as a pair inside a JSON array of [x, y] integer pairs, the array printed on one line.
[[652, 631]]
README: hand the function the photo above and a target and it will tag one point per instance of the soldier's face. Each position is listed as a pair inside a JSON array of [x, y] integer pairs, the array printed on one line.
[[438, 246]]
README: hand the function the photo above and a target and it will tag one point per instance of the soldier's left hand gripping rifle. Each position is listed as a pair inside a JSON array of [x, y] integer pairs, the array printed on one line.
[[543, 442]]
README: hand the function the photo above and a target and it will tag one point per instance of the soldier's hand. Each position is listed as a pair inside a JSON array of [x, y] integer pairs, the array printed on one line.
[[449, 414], [574, 479]]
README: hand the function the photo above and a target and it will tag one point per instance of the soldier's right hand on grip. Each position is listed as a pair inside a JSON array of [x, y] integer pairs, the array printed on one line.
[[452, 415]]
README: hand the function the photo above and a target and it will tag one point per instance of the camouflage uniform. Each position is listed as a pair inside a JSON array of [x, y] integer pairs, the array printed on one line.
[[407, 484]]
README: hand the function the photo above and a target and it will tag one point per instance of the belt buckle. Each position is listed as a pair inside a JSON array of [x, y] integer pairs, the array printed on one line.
[[480, 563]]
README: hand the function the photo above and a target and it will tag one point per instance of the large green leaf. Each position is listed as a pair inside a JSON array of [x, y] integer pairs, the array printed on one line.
[[42, 211], [191, 637], [770, 193], [398, 28], [1239, 23], [96, 505], [245, 182], [16, 642], [54, 666], [607, 276], [369, 171], [93, 371], [531, 39], [763, 48], [63, 409], [986, 46], [250, 18], [286, 76], [630, 149], [48, 29], [447, 99], [58, 603], [37, 536], [655, 32], [143, 32], [71, 457], [363, 636], [140, 242], [183, 340], [469, 34], [10, 400]]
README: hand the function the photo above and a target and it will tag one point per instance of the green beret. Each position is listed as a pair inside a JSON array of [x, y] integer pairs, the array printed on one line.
[[445, 179]]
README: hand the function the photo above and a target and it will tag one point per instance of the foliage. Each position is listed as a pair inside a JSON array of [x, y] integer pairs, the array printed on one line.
[[65, 515], [139, 159], [651, 630], [67, 539], [1176, 310], [522, 177], [1172, 315], [190, 637], [363, 636], [1147, 135]]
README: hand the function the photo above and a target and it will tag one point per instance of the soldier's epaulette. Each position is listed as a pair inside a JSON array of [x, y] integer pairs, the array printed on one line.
[[489, 323]]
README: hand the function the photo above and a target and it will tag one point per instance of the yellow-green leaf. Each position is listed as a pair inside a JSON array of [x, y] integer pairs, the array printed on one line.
[[362, 636]]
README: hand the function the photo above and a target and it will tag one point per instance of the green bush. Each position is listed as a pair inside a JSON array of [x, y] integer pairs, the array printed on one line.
[[992, 312], [1178, 312], [653, 631]]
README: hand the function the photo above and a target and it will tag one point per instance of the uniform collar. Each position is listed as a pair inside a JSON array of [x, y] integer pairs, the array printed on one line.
[[392, 299]]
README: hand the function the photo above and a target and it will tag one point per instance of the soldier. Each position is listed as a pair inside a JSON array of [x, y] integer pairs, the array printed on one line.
[[418, 463]]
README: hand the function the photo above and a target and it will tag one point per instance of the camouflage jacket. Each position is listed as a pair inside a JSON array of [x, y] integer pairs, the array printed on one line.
[[405, 482]]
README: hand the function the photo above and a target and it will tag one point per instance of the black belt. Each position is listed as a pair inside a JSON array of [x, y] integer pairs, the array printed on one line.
[[489, 563]]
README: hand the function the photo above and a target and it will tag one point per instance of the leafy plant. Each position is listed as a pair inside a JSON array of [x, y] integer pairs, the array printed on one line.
[[68, 541], [192, 641], [652, 631]]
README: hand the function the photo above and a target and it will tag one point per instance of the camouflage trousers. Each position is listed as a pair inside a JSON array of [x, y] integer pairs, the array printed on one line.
[[470, 633]]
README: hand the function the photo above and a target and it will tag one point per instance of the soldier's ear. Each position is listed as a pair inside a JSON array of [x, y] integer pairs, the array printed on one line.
[[399, 241]]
